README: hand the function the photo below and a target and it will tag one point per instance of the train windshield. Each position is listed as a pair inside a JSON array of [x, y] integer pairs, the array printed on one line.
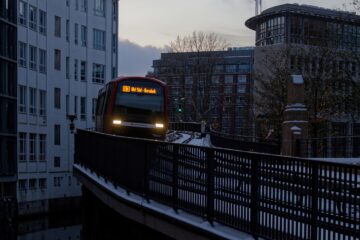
[[139, 101]]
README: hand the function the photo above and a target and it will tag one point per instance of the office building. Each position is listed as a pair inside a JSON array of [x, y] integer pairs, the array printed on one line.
[[67, 51], [8, 113], [211, 86]]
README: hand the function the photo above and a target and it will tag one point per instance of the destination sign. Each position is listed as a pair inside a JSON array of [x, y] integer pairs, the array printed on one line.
[[135, 89]]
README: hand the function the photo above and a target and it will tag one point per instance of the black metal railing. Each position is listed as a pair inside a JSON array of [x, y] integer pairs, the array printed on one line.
[[244, 143], [269, 196], [331, 147], [185, 126]]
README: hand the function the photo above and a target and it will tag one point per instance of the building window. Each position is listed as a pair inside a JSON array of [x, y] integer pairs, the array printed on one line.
[[76, 4], [42, 105], [32, 183], [114, 43], [228, 79], [42, 61], [230, 68], [83, 71], [57, 181], [67, 104], [57, 26], [32, 17], [42, 183], [32, 106], [42, 147], [22, 99], [56, 162], [76, 69], [42, 22], [76, 31], [83, 35], [242, 79], [67, 26], [99, 39], [67, 67], [22, 146], [22, 184], [67, 3], [57, 59], [57, 98], [100, 8], [32, 147], [93, 108], [33, 58], [57, 134], [75, 106], [241, 88], [22, 54], [22, 12], [82, 108], [98, 73], [83, 5], [114, 10], [114, 72]]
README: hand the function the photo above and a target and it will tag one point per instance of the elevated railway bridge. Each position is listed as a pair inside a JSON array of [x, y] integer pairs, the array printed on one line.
[[205, 192]]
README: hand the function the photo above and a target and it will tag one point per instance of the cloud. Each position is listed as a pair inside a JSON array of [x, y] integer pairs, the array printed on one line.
[[135, 60]]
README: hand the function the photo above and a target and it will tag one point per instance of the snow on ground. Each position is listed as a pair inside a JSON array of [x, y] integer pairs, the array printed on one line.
[[201, 141], [183, 137]]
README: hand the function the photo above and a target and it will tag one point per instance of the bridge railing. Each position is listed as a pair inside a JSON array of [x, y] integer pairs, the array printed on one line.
[[185, 126], [244, 143], [269, 196]]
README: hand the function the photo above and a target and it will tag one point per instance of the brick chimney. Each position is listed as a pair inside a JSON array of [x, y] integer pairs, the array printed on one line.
[[295, 125]]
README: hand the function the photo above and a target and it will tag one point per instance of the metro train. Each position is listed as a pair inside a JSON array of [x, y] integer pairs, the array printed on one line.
[[133, 106]]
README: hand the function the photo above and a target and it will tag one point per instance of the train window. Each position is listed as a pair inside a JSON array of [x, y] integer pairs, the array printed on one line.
[[140, 101]]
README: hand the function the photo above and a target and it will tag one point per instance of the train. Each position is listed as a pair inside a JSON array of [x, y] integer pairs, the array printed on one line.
[[133, 106]]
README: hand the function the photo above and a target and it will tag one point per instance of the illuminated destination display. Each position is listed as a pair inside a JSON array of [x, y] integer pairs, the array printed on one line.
[[134, 89]]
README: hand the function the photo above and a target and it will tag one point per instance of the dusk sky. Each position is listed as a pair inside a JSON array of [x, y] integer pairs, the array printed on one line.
[[146, 24]]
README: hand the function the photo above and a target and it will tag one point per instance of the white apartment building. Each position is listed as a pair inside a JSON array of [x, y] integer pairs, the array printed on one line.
[[67, 51]]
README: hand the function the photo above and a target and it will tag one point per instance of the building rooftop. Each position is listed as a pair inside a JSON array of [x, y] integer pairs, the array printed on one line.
[[303, 9]]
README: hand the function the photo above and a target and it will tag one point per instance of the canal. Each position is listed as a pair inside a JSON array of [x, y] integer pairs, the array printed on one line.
[[93, 221]]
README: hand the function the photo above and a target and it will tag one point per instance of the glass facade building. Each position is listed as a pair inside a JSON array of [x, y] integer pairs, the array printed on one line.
[[308, 25], [8, 108]]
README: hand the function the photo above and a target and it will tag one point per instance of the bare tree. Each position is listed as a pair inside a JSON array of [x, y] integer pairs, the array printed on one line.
[[196, 56], [328, 80], [271, 93]]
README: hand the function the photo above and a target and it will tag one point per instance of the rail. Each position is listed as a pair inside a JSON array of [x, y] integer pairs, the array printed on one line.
[[185, 126], [269, 196]]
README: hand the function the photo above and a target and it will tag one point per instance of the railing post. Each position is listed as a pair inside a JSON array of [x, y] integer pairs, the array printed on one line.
[[175, 189], [210, 184], [314, 200], [254, 224], [146, 172]]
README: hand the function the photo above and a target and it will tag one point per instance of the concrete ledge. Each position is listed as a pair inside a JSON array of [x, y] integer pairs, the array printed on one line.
[[159, 217]]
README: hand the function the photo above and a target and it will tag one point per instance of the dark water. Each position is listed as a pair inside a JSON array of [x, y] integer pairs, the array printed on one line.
[[93, 221]]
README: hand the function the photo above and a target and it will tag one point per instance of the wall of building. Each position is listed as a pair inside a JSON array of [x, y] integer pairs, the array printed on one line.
[[70, 80], [8, 128]]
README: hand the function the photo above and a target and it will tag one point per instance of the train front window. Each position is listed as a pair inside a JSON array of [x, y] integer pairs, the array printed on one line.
[[139, 102]]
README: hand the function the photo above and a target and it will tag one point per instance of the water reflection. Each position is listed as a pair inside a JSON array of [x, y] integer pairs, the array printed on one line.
[[95, 221]]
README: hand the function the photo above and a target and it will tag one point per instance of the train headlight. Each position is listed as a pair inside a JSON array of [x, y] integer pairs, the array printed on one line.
[[159, 125], [117, 122]]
